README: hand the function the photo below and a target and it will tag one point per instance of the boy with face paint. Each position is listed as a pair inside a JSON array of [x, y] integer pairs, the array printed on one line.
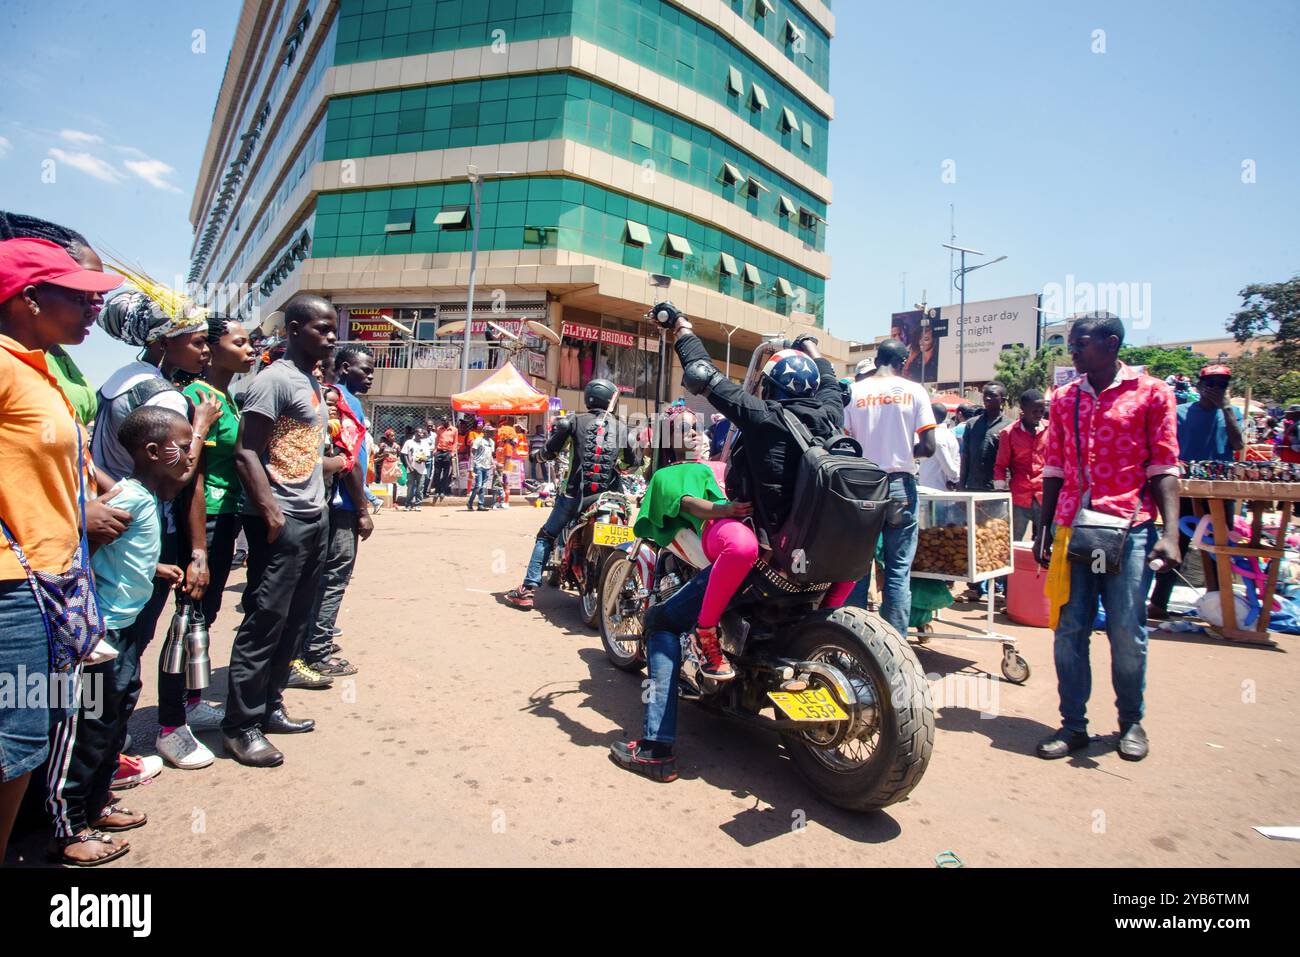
[[80, 801]]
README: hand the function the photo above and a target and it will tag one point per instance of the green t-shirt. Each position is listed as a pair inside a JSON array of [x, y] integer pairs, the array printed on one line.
[[80, 393], [661, 517], [221, 488]]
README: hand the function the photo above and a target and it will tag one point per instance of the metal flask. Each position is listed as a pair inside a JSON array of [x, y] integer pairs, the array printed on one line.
[[198, 670], [173, 653]]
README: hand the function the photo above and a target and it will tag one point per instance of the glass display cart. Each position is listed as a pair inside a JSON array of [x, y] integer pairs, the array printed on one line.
[[966, 537]]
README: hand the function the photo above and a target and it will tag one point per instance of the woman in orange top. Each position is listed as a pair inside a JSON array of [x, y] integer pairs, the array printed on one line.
[[46, 300]]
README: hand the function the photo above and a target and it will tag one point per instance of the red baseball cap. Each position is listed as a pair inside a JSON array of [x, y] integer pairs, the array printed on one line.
[[30, 262], [1215, 370]]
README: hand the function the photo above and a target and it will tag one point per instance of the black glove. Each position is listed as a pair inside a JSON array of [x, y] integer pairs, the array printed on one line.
[[798, 343], [666, 314]]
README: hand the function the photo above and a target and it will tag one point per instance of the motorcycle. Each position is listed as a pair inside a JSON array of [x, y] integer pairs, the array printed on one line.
[[578, 560], [848, 698]]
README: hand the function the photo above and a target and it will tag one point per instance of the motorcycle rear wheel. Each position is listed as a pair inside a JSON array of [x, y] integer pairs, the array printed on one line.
[[621, 635], [883, 759]]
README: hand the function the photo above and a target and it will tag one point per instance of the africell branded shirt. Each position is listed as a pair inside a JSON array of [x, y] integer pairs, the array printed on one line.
[[885, 414], [1127, 434], [293, 402]]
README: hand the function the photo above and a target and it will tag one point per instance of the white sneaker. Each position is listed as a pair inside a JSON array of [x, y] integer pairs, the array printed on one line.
[[132, 770], [204, 716], [183, 750]]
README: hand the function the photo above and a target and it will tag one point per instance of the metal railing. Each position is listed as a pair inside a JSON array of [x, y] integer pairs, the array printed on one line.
[[435, 354]]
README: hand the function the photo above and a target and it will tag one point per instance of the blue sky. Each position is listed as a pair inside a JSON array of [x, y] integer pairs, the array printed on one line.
[[1115, 167]]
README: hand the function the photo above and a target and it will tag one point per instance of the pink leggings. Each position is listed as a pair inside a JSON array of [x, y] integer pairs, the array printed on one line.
[[732, 547]]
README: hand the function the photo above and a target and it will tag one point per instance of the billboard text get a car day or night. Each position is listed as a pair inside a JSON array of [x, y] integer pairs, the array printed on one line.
[[991, 326]]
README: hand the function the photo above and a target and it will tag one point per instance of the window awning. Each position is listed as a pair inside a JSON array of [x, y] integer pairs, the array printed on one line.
[[788, 120], [730, 175], [807, 135], [786, 205], [763, 6], [637, 233], [400, 224], [728, 265], [783, 287], [757, 98], [678, 246], [451, 218], [792, 31], [752, 275], [754, 186], [735, 82]]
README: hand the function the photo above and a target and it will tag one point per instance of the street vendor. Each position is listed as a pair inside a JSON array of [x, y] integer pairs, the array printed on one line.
[[1209, 430]]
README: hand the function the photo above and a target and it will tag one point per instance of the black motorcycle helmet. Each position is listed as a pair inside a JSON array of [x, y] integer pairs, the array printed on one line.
[[599, 395]]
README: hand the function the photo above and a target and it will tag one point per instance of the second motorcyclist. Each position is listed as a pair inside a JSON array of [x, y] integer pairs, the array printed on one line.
[[600, 442]]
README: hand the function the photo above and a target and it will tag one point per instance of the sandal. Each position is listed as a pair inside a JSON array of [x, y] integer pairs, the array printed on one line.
[[61, 844], [113, 807]]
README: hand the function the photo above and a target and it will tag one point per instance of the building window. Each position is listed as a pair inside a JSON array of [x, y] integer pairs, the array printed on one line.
[[450, 219], [757, 98], [735, 82], [400, 221], [678, 246], [637, 234], [730, 175], [642, 134], [752, 276], [788, 121], [785, 205], [753, 187], [806, 133], [783, 288], [727, 265]]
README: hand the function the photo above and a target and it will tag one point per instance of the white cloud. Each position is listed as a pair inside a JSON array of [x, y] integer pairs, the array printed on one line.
[[153, 172], [132, 151], [90, 165], [5, 147], [80, 138]]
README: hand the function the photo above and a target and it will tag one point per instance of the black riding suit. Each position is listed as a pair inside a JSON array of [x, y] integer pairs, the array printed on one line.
[[765, 457], [600, 441]]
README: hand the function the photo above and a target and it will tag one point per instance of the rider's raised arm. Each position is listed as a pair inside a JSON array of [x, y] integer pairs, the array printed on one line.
[[702, 377]]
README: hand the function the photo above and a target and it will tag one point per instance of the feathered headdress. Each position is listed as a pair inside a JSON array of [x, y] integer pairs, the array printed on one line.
[[149, 312]]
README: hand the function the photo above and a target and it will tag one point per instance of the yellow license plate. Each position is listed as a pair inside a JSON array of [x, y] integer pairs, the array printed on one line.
[[816, 704], [607, 534]]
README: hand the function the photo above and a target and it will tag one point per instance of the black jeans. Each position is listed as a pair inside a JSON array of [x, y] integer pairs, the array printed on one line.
[[340, 559], [283, 578], [442, 473], [222, 530], [1166, 581]]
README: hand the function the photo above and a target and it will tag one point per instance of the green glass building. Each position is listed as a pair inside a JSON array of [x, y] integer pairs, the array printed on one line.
[[612, 139]]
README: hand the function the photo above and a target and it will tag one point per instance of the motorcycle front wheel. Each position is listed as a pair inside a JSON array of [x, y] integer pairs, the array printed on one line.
[[620, 626], [883, 755]]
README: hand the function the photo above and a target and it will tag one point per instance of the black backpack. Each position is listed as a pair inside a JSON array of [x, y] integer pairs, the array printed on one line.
[[838, 508]]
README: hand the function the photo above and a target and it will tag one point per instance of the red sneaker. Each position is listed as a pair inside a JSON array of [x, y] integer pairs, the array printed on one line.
[[716, 665], [132, 770], [520, 597]]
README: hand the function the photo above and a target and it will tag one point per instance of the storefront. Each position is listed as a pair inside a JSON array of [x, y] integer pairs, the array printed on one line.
[[595, 346]]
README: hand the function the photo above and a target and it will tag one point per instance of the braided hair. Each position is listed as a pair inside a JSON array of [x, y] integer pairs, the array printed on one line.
[[21, 226]]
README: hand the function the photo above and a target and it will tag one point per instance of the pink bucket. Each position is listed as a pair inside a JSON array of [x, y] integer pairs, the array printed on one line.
[[1026, 596]]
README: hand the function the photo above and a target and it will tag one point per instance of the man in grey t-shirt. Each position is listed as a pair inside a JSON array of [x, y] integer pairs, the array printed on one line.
[[279, 458]]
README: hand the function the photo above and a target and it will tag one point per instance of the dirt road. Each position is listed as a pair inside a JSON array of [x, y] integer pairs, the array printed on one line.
[[476, 734]]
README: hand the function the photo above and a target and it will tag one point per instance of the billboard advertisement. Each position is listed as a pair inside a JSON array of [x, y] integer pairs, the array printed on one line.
[[991, 326], [369, 325]]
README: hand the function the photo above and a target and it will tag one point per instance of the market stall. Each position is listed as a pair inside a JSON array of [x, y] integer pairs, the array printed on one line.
[[505, 392], [1235, 554], [966, 537]]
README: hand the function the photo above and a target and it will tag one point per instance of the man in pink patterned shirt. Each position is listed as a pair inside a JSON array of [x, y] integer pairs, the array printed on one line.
[[1112, 446]]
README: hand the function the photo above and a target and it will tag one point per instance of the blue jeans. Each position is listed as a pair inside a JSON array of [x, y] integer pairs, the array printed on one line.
[[482, 482], [900, 549], [665, 624], [24, 656], [414, 488], [566, 506], [1123, 595]]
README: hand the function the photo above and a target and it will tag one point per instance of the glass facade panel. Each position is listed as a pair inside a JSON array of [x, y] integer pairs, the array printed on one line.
[[572, 107], [587, 219]]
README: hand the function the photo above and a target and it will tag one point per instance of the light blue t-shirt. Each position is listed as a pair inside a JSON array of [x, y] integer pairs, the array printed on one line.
[[1202, 434], [124, 569]]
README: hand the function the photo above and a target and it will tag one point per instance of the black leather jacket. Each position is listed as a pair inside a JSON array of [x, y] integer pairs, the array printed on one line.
[[765, 457], [595, 453]]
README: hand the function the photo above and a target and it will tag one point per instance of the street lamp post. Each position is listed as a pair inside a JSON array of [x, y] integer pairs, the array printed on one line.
[[961, 272], [476, 185]]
